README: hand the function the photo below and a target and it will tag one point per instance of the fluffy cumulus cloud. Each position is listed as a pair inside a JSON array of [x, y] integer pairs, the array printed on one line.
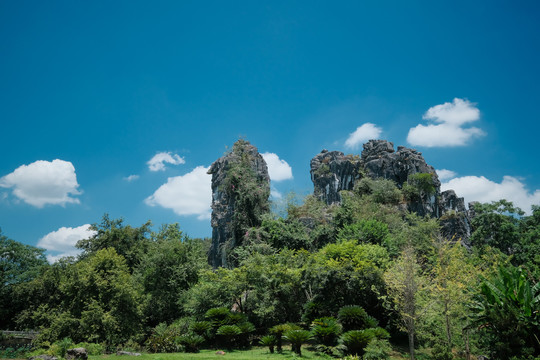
[[61, 243], [479, 188], [278, 169], [362, 134], [449, 125], [446, 174], [157, 163], [189, 194], [43, 182]]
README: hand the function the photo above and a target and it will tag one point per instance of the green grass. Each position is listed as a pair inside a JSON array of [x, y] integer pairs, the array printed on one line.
[[255, 353]]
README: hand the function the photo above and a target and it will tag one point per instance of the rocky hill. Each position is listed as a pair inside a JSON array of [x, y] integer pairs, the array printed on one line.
[[331, 173]]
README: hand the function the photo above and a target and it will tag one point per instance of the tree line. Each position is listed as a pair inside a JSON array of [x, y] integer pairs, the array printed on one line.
[[355, 278]]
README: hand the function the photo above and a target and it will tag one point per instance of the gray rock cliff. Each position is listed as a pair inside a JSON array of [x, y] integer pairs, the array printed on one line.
[[224, 201], [333, 171]]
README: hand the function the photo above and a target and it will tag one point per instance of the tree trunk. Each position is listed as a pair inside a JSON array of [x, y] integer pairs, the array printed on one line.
[[448, 330], [411, 344], [467, 349]]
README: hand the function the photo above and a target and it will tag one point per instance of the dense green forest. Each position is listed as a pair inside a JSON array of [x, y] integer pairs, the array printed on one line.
[[352, 279]]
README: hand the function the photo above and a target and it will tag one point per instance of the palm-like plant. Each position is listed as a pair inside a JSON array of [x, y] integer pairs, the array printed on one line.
[[218, 316], [270, 341], [357, 340], [191, 342], [326, 331], [508, 310], [201, 327], [354, 317], [279, 330], [297, 338], [228, 333]]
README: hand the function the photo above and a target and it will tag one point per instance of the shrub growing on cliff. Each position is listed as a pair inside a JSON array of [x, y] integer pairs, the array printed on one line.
[[366, 231]]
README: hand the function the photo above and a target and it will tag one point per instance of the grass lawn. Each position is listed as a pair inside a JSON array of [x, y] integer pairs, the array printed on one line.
[[255, 353]]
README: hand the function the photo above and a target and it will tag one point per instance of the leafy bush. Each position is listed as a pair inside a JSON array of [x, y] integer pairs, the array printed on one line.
[[507, 312], [164, 339], [91, 348], [354, 317], [365, 231], [441, 352], [60, 347], [377, 350], [15, 353], [382, 191]]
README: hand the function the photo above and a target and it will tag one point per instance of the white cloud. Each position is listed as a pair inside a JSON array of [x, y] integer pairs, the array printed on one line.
[[277, 169], [275, 194], [478, 188], [189, 194], [458, 112], [449, 130], [362, 134], [445, 174], [44, 182], [62, 241], [157, 163], [131, 178]]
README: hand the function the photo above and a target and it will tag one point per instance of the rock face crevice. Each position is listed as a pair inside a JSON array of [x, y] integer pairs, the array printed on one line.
[[224, 201], [332, 172]]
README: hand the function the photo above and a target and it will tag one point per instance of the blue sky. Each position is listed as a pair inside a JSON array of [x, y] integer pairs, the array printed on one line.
[[104, 86]]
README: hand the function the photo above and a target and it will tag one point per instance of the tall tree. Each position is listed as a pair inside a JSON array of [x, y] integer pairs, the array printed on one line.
[[128, 241], [168, 269], [405, 284], [19, 264], [452, 276], [99, 302], [496, 225]]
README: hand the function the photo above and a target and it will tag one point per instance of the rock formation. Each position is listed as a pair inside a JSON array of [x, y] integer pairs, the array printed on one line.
[[224, 200], [333, 171]]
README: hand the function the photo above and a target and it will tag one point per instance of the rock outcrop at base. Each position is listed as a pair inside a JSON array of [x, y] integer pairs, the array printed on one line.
[[224, 199], [332, 172]]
